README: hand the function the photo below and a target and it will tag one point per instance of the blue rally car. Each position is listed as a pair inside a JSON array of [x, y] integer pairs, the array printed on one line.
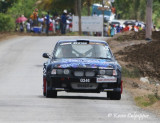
[[86, 66]]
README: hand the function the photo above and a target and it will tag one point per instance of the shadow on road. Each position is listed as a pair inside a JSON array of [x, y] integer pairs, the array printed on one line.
[[83, 97], [78, 97]]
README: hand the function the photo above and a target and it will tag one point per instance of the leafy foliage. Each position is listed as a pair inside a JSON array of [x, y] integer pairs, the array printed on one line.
[[5, 4], [7, 23], [22, 7], [57, 5], [126, 9]]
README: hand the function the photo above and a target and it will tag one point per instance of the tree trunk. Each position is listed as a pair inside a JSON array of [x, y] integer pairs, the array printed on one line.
[[79, 15], [88, 5], [149, 20], [76, 7]]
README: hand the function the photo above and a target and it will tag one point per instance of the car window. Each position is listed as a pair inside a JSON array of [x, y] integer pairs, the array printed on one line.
[[92, 50]]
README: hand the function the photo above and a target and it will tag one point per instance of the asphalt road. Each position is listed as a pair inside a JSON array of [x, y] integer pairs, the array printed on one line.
[[21, 97]]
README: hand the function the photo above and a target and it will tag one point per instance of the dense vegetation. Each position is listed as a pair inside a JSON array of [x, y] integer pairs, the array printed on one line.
[[126, 9]]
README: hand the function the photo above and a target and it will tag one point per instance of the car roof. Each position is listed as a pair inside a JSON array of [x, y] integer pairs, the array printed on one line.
[[94, 41]]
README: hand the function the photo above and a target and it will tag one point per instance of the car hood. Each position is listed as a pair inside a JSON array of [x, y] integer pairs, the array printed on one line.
[[84, 63]]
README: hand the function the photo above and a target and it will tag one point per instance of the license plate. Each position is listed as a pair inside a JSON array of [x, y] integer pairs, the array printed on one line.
[[84, 80], [84, 85]]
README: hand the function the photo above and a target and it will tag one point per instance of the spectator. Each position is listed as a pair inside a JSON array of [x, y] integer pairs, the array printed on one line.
[[112, 30], [118, 29], [113, 9], [105, 29], [51, 27], [109, 30], [28, 26], [136, 28], [70, 24], [21, 27], [126, 28], [54, 25], [47, 23], [140, 28], [63, 22], [94, 14], [57, 23]]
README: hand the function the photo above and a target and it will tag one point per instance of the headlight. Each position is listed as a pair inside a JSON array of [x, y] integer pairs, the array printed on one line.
[[54, 71], [66, 71], [109, 72], [102, 72], [114, 73]]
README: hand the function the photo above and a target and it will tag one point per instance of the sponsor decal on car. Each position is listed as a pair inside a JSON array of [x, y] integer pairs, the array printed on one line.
[[90, 63], [106, 79]]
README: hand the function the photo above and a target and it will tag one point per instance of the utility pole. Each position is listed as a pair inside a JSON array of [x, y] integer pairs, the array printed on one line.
[[149, 20], [79, 15], [103, 18]]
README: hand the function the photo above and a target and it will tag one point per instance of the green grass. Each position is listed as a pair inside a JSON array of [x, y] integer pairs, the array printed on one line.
[[145, 101], [134, 73]]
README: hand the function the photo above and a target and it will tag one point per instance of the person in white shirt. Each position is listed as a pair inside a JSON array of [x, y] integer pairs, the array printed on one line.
[[28, 26]]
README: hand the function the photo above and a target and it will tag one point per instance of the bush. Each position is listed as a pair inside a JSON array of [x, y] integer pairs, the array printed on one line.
[[7, 23], [145, 101]]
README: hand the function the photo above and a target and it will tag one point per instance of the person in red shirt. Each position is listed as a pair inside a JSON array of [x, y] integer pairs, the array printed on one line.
[[51, 27], [126, 28]]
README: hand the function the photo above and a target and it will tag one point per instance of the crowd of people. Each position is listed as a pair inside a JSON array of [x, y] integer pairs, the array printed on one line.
[[111, 29], [63, 24], [48, 24]]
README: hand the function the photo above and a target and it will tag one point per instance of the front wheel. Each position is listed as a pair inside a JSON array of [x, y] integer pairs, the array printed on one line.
[[44, 86], [50, 93], [114, 95]]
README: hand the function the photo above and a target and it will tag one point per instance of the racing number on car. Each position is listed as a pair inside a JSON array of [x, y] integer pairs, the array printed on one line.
[[84, 80]]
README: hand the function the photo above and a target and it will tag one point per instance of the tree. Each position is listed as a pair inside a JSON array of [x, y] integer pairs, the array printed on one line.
[[22, 7], [149, 19], [57, 5], [5, 4]]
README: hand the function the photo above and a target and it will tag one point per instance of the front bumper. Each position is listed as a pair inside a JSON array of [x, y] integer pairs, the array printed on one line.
[[86, 84]]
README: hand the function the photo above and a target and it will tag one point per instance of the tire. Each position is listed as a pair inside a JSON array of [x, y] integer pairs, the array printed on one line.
[[50, 93], [44, 93], [44, 86], [114, 95]]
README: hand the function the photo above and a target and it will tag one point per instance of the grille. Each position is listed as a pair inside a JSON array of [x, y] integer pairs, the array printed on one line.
[[83, 73], [89, 73], [59, 71], [78, 73]]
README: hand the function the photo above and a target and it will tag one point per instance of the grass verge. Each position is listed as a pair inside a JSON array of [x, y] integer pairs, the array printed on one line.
[[145, 101]]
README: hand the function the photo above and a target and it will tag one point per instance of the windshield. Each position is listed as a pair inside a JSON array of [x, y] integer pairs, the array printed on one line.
[[80, 50]]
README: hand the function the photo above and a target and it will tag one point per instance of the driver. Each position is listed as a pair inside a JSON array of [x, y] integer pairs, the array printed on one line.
[[67, 51]]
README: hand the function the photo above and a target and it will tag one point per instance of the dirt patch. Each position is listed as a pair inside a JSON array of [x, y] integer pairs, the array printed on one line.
[[6, 36], [154, 108], [132, 35], [146, 57]]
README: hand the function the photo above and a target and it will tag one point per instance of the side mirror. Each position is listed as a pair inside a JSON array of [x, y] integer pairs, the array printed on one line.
[[45, 55]]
